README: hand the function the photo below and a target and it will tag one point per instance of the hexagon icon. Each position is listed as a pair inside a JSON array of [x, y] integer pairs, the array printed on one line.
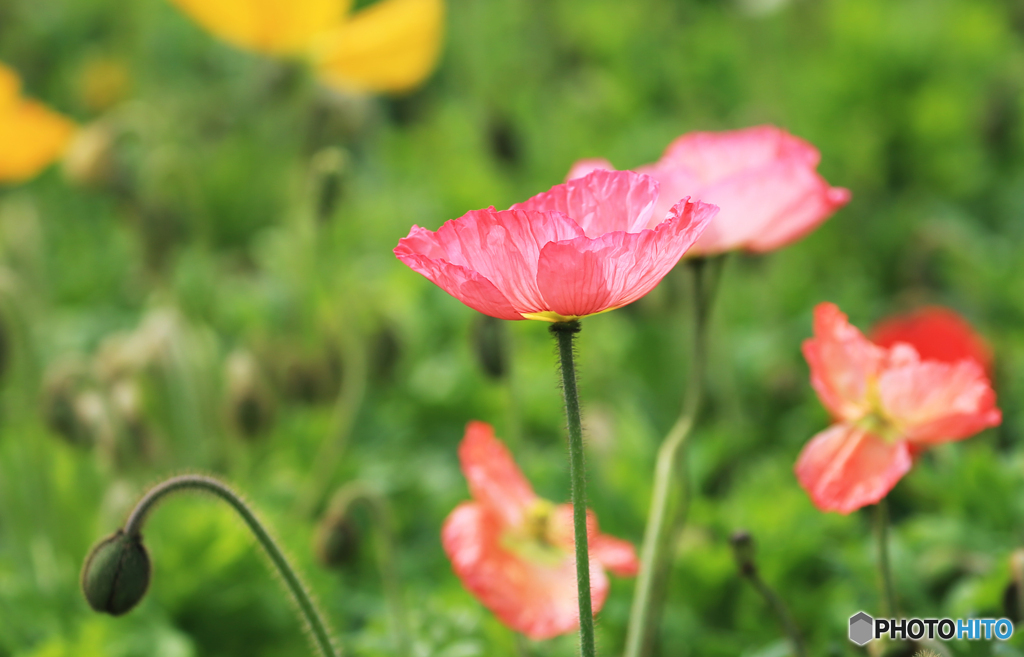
[[862, 628]]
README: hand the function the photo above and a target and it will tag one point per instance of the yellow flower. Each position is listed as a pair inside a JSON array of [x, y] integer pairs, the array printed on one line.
[[32, 135], [390, 46]]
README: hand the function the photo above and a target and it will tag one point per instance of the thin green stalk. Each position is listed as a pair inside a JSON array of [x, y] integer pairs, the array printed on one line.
[[310, 613], [346, 408], [564, 333], [380, 511], [884, 571], [667, 516]]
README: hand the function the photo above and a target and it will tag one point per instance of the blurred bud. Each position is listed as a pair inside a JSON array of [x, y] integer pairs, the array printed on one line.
[[310, 376], [490, 345], [250, 406], [386, 349], [89, 159], [504, 141], [328, 172], [68, 408], [116, 574], [337, 117], [103, 83], [743, 550], [336, 540]]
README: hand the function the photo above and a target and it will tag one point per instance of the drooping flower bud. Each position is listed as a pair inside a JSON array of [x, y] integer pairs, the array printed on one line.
[[116, 574], [490, 345], [328, 171], [250, 405], [743, 550], [337, 538]]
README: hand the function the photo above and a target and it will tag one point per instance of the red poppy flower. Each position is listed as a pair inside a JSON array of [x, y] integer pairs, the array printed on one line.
[[764, 179], [937, 334], [514, 550], [889, 404], [582, 248]]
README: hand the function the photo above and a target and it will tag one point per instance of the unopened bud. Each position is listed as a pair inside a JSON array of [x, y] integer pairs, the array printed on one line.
[[250, 406], [329, 170], [490, 344], [743, 551], [336, 541], [116, 574]]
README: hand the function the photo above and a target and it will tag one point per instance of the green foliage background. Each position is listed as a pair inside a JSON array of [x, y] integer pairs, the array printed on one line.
[[915, 105]]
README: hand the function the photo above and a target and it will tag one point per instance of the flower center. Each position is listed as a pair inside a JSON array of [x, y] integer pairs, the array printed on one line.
[[534, 540], [877, 422]]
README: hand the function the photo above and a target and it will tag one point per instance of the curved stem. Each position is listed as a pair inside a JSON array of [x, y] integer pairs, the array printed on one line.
[[309, 610], [885, 573], [387, 561], [664, 522], [346, 408], [564, 333]]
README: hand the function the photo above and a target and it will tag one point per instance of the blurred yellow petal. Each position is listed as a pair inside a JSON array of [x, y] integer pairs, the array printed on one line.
[[10, 86], [390, 46], [31, 135], [267, 26]]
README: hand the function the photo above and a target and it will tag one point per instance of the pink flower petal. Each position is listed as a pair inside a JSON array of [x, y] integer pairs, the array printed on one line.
[[583, 167], [717, 155], [467, 286], [494, 478], [842, 363], [536, 598], [935, 402], [818, 204], [844, 468], [601, 202], [501, 248], [585, 276], [615, 554]]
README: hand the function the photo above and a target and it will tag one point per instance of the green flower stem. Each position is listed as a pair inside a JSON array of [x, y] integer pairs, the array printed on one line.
[[667, 516], [564, 333], [380, 511], [310, 613], [884, 571], [346, 408]]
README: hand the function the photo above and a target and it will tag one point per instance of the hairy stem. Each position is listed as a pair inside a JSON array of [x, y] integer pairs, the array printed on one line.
[[667, 516], [884, 571], [564, 333], [310, 613]]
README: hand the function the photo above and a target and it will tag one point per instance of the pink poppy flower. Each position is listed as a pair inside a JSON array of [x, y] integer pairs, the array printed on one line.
[[764, 180], [584, 247], [937, 333], [889, 404], [514, 550]]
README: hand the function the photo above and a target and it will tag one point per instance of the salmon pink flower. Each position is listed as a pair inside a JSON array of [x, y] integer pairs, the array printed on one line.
[[889, 403], [763, 178], [937, 333], [584, 247], [514, 550]]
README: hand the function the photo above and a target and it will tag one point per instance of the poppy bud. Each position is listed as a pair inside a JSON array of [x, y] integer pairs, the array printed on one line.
[[337, 538], [116, 574], [329, 170], [250, 406], [743, 550], [490, 344]]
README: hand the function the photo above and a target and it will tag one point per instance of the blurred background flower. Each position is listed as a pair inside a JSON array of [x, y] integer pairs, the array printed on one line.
[[208, 169]]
